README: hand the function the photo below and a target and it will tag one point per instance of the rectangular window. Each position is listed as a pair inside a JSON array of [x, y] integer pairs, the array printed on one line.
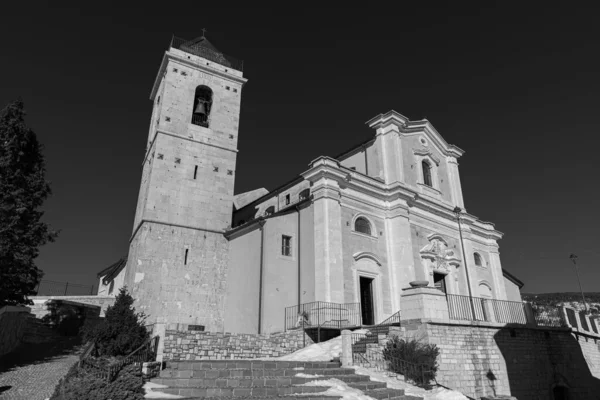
[[286, 245], [287, 199], [195, 171], [186, 256]]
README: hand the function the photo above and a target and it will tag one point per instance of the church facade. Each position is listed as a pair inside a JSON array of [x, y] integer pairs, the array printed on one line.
[[357, 228]]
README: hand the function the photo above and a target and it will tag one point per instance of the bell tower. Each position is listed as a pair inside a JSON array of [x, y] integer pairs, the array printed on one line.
[[178, 258]]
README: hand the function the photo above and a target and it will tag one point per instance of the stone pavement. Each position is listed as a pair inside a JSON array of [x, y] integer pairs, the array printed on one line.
[[33, 370]]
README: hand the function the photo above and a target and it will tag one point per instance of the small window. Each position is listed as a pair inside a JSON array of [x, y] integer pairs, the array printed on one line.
[[111, 287], [287, 199], [286, 245], [477, 258], [426, 173], [195, 171], [362, 225], [270, 210], [185, 257]]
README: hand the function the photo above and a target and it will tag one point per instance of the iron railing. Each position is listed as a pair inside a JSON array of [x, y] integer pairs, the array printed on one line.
[[548, 316], [324, 315], [200, 120], [52, 288], [507, 312], [372, 357], [394, 319], [144, 353], [459, 307], [201, 51]]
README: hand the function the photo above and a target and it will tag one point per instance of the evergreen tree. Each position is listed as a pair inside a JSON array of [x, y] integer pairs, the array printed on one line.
[[122, 330], [23, 189]]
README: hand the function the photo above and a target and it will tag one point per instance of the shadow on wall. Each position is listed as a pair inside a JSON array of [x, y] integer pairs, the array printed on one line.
[[549, 364]]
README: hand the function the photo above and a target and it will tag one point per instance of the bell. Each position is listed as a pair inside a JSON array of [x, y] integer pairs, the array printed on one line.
[[200, 108]]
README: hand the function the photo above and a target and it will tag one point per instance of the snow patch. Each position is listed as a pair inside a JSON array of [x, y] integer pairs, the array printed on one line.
[[301, 375], [151, 394], [299, 369], [393, 382], [336, 388]]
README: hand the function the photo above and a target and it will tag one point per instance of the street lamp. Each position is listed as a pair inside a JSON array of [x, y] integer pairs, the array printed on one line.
[[573, 258], [457, 210]]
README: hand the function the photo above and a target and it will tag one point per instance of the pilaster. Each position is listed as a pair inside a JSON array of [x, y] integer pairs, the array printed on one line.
[[329, 263]]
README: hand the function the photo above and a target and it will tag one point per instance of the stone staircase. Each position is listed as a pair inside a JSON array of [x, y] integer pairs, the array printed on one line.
[[245, 379]]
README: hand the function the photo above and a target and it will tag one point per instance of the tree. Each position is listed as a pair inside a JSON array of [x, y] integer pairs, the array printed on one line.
[[23, 189], [122, 330]]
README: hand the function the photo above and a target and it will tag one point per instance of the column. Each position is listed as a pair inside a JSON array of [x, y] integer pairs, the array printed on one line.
[[400, 256]]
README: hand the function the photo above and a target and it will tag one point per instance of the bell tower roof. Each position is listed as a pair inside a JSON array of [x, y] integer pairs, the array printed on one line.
[[202, 41]]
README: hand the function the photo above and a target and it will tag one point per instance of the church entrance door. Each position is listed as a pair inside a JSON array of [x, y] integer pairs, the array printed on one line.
[[366, 300]]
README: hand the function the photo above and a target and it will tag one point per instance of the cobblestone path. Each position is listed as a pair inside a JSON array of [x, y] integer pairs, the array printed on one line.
[[32, 372]]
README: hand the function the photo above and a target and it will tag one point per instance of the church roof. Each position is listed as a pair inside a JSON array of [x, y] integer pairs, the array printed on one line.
[[202, 41], [512, 278], [110, 272]]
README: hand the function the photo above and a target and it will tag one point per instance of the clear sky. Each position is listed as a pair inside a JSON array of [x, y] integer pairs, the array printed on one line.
[[516, 88]]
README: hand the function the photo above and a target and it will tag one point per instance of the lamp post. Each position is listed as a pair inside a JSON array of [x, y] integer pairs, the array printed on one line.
[[573, 258], [457, 210]]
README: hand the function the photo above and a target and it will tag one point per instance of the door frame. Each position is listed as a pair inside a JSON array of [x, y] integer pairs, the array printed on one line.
[[376, 291]]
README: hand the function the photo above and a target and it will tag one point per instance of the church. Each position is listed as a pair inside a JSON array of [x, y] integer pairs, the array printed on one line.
[[348, 234]]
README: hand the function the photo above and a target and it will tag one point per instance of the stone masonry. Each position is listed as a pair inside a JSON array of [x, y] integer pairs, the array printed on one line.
[[181, 344], [178, 258]]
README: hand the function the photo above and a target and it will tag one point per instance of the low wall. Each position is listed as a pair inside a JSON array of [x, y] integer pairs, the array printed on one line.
[[179, 343], [40, 308], [13, 325], [482, 359]]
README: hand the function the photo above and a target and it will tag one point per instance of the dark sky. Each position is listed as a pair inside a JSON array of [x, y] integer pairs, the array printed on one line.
[[517, 89]]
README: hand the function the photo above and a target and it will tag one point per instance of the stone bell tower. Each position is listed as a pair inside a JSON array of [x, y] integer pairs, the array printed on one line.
[[178, 258]]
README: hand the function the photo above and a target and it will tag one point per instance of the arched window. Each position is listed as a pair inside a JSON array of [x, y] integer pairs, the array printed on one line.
[[362, 225], [477, 258], [304, 194], [202, 106], [485, 291], [270, 210], [426, 173]]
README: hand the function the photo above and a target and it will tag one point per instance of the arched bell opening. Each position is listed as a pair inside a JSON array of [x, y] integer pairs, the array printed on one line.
[[202, 106]]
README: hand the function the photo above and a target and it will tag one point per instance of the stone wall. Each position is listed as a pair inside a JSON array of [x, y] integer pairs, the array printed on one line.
[[40, 303], [491, 359], [180, 343], [13, 325]]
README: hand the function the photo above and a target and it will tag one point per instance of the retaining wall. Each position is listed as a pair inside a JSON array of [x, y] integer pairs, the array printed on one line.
[[180, 343], [485, 359], [13, 325]]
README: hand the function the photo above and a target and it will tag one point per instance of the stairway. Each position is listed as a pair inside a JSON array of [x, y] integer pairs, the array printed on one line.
[[247, 379]]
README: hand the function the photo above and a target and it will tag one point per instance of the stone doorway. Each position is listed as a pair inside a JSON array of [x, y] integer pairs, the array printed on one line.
[[366, 300]]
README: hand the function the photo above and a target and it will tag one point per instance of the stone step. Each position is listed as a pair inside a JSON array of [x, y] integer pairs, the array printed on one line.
[[385, 393], [246, 373], [369, 385], [253, 382], [249, 364], [315, 397], [244, 392]]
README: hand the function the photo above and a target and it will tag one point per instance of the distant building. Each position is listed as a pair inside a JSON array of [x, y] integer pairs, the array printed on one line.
[[357, 228]]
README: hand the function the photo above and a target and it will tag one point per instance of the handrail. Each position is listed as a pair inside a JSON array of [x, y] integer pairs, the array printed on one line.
[[110, 371]]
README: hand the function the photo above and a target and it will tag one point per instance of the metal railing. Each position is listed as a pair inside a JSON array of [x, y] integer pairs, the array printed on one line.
[[52, 288], [200, 120], [144, 353], [323, 314], [507, 312], [394, 319], [459, 307], [201, 51], [374, 358], [548, 316]]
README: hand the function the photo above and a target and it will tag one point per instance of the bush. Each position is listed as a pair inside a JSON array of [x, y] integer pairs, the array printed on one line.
[[80, 384], [413, 359], [122, 330]]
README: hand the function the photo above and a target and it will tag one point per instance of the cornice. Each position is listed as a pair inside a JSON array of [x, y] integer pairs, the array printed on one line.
[[427, 153], [424, 126], [192, 64]]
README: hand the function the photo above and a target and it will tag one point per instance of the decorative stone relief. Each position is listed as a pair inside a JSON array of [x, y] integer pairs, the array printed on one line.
[[437, 257]]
